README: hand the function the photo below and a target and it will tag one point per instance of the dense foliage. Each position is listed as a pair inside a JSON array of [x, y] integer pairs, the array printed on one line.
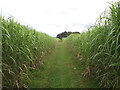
[[98, 49], [65, 34], [22, 51]]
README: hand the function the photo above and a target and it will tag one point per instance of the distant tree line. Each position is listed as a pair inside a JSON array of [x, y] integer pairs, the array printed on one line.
[[65, 34]]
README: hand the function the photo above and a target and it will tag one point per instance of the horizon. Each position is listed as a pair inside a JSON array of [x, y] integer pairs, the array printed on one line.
[[54, 17]]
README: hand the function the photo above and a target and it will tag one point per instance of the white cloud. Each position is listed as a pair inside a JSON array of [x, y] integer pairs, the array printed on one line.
[[55, 16]]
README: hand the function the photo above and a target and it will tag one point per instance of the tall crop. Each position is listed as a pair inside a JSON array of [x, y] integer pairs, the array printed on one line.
[[22, 50], [0, 55], [100, 48]]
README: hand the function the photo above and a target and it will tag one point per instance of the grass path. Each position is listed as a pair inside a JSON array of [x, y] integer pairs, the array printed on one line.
[[60, 71]]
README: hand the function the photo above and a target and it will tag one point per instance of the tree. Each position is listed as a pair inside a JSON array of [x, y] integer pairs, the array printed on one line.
[[65, 34]]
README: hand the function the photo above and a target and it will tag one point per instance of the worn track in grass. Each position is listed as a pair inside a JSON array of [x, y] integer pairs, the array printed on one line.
[[60, 71]]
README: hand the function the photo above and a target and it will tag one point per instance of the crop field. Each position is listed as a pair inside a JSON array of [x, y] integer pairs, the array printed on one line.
[[99, 48], [90, 59], [23, 49]]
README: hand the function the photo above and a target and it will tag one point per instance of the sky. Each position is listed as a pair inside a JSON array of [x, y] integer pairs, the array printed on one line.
[[54, 16]]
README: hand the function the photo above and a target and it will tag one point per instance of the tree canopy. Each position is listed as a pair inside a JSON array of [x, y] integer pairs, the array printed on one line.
[[65, 34]]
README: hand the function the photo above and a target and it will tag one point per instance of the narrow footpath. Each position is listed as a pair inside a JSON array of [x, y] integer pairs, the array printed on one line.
[[60, 71]]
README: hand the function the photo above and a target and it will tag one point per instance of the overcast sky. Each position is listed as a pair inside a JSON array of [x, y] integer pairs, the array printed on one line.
[[54, 16]]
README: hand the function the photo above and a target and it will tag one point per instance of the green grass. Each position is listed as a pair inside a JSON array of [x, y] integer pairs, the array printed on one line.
[[97, 52], [23, 50], [60, 70], [100, 48]]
